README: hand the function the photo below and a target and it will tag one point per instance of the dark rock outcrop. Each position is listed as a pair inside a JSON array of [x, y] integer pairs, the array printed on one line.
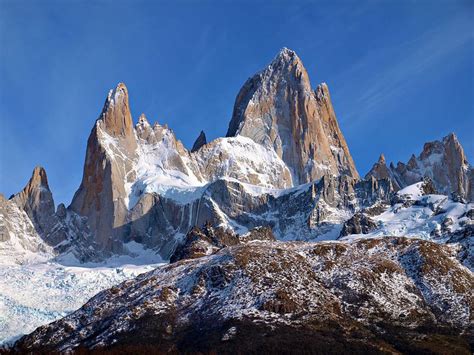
[[199, 142], [359, 223], [208, 240]]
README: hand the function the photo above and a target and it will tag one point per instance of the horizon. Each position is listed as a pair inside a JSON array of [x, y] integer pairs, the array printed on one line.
[[193, 87]]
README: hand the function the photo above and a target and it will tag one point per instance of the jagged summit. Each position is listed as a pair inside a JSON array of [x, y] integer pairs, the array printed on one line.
[[37, 201], [285, 55], [36, 194], [38, 178], [278, 109], [102, 194], [142, 120], [286, 52], [381, 159], [115, 115], [199, 142], [443, 161]]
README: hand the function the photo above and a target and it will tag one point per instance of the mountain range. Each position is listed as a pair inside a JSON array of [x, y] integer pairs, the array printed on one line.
[[270, 230]]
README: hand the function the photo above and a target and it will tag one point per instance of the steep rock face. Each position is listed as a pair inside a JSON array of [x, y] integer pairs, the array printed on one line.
[[29, 224], [36, 200], [199, 142], [19, 240], [444, 162], [385, 295], [381, 171], [111, 149], [278, 109]]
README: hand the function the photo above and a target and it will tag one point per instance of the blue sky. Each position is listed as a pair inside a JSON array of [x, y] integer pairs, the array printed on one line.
[[400, 73]]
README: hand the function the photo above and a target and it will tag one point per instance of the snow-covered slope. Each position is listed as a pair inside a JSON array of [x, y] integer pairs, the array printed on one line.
[[160, 168], [414, 212], [36, 294], [370, 295], [19, 241], [429, 216]]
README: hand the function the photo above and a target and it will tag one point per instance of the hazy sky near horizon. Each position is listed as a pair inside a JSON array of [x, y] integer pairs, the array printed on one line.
[[400, 73]]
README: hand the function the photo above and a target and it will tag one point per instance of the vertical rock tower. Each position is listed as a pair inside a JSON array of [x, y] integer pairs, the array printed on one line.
[[111, 150], [278, 108]]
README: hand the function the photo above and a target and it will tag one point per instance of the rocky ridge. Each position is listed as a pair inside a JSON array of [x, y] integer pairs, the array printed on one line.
[[444, 162]]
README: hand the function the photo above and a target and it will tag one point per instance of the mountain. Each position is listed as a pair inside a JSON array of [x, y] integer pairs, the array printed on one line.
[[382, 295], [278, 109], [275, 243], [444, 162], [37, 201], [140, 183], [284, 164], [32, 229]]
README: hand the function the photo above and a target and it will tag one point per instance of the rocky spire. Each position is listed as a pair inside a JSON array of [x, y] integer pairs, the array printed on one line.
[[278, 108], [381, 171], [103, 195], [36, 200], [144, 130], [444, 162], [116, 116], [199, 142], [382, 159]]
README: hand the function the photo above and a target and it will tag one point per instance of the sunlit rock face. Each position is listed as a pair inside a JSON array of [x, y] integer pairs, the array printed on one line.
[[279, 109]]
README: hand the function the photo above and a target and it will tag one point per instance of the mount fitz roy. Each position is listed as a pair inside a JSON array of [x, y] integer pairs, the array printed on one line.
[[233, 209], [284, 164]]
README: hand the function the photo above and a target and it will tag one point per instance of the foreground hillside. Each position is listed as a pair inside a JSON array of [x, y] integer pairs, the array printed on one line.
[[377, 295]]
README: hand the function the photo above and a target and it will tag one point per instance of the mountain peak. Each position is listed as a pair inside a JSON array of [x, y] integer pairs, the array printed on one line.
[[382, 159], [142, 120], [444, 161], [199, 142], [287, 63], [278, 109], [36, 199], [38, 182], [451, 138], [286, 54], [39, 178], [116, 114]]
